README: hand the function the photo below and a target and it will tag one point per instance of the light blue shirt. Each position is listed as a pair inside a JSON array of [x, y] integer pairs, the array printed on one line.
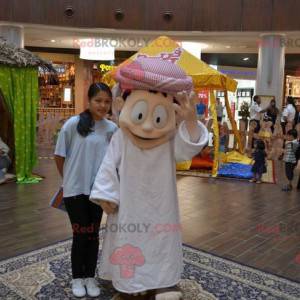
[[83, 155]]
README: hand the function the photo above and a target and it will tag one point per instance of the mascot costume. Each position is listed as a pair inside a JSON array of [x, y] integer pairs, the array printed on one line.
[[136, 183]]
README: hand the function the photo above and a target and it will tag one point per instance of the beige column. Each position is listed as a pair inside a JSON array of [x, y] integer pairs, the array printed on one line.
[[270, 66], [83, 79], [12, 34]]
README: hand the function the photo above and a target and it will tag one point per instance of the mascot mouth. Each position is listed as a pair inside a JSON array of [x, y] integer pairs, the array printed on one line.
[[143, 138], [146, 143]]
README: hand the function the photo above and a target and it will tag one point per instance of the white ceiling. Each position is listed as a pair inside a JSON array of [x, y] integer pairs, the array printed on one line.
[[216, 42]]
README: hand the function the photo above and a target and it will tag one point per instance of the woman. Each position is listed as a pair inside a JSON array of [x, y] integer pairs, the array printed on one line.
[[288, 114], [80, 148], [272, 113]]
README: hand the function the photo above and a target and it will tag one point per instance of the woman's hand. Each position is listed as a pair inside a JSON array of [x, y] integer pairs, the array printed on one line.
[[108, 207]]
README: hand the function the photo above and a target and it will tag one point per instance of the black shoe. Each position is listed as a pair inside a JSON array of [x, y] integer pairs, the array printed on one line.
[[287, 188]]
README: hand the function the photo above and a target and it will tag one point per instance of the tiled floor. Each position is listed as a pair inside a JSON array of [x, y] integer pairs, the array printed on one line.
[[232, 219]]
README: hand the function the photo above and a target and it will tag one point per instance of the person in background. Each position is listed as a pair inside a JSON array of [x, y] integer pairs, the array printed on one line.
[[201, 108], [220, 109], [256, 112], [289, 158], [259, 157], [5, 161], [80, 149], [251, 137], [272, 113], [297, 115], [265, 133], [224, 137], [289, 113]]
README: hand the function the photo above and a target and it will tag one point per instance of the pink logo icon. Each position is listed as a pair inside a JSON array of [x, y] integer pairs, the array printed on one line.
[[172, 57], [127, 257], [297, 259]]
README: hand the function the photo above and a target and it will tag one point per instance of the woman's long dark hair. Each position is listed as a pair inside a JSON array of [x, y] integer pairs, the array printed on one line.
[[86, 121]]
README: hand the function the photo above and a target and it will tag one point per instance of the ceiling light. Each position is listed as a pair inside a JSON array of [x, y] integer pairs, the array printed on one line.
[[53, 41], [228, 47], [246, 58]]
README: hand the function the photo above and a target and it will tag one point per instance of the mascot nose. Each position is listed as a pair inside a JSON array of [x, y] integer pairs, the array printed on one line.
[[147, 126]]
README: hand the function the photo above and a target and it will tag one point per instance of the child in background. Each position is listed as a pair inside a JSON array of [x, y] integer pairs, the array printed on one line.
[[251, 137], [201, 108], [259, 166], [265, 133], [224, 137], [289, 158]]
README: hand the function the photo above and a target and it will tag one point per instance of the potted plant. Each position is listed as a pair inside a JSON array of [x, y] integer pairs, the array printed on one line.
[[244, 113]]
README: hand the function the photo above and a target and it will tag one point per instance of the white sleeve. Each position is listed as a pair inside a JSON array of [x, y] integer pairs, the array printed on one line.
[[184, 148], [258, 109], [62, 144], [107, 183], [285, 112], [4, 147], [65, 137]]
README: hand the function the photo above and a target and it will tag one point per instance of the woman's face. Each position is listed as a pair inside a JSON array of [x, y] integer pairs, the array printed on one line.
[[99, 105]]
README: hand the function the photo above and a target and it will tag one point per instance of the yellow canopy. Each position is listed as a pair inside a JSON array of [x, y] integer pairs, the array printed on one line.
[[204, 77]]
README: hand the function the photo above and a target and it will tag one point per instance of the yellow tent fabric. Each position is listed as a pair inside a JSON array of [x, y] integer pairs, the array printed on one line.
[[183, 165], [215, 127], [236, 157], [204, 77]]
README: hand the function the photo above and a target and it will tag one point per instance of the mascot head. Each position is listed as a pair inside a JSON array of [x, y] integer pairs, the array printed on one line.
[[149, 86]]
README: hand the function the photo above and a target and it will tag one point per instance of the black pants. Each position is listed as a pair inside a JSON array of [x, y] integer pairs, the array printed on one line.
[[289, 170], [283, 124], [85, 218]]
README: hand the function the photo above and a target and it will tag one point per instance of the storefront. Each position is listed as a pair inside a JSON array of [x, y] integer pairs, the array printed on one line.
[[292, 88], [65, 94], [57, 97]]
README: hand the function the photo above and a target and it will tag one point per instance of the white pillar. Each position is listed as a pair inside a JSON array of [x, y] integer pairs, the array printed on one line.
[[270, 66], [12, 34]]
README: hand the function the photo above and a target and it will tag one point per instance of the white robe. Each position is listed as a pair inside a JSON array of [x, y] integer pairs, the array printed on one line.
[[143, 184]]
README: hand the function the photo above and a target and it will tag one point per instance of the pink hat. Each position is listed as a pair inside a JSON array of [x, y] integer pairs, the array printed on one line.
[[153, 73]]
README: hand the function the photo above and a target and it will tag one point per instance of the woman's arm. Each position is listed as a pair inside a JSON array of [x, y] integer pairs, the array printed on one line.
[[59, 160]]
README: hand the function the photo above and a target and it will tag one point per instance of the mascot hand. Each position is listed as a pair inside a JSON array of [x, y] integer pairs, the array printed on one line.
[[108, 207], [187, 108], [117, 105]]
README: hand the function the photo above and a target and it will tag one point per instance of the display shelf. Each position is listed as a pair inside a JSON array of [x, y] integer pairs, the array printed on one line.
[[52, 87]]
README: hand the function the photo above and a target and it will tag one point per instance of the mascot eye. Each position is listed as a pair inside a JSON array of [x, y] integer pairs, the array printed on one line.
[[139, 112], [160, 116]]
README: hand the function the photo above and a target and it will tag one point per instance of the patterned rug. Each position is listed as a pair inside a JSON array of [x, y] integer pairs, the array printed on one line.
[[45, 274], [268, 177]]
